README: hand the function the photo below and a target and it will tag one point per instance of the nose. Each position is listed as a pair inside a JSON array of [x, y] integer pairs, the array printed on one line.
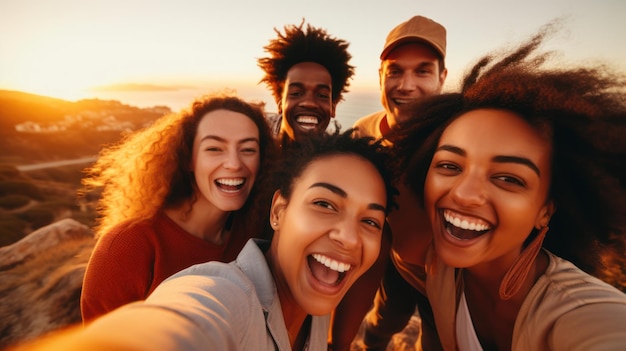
[[232, 160], [469, 190], [407, 82], [308, 100], [346, 234]]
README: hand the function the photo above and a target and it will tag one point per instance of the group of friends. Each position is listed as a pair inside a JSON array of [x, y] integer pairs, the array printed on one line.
[[490, 210]]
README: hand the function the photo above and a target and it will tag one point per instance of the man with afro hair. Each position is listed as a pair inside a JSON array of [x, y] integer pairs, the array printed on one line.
[[308, 72]]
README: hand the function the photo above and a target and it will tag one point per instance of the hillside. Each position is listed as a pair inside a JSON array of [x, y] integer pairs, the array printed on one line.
[[36, 128]]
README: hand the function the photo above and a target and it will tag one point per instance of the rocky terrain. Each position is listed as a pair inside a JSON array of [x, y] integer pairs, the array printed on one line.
[[40, 281]]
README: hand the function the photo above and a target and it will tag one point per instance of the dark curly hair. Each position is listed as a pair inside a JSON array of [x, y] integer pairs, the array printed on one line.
[[296, 158], [311, 45], [582, 110]]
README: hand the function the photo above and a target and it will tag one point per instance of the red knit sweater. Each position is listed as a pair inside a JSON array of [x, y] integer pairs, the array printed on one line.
[[129, 262]]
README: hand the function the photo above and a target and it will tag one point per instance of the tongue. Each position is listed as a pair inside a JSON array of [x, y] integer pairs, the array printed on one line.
[[463, 234], [323, 273]]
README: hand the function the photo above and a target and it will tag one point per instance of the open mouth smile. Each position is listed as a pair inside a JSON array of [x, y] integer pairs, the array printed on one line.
[[464, 228], [230, 185], [403, 101], [327, 270], [307, 122]]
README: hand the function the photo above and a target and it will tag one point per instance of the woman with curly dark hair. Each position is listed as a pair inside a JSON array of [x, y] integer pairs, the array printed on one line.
[[174, 194], [521, 174], [308, 72]]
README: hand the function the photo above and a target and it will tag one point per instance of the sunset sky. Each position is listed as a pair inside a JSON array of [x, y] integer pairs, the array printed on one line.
[[65, 48]]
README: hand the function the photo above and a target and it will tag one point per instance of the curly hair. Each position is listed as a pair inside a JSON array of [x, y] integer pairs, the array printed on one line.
[[311, 45], [301, 153], [582, 110], [149, 170]]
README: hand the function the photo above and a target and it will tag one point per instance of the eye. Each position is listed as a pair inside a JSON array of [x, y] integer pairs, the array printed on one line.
[[212, 149], [324, 96], [372, 222], [250, 150], [294, 93], [424, 72], [393, 72], [508, 180], [446, 167], [324, 203]]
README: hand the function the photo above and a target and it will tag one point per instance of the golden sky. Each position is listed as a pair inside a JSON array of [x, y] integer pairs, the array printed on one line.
[[65, 48]]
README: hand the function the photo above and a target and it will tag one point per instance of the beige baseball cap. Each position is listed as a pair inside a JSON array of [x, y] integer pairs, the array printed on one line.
[[417, 29]]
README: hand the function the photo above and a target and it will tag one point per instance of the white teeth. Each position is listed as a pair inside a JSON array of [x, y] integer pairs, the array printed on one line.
[[230, 181], [403, 101], [332, 264], [307, 120], [464, 224]]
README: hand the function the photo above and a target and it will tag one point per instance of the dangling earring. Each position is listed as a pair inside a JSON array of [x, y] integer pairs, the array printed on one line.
[[517, 273]]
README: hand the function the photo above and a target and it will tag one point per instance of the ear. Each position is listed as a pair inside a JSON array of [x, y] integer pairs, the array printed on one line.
[[545, 214], [332, 109], [380, 78], [279, 203], [442, 78]]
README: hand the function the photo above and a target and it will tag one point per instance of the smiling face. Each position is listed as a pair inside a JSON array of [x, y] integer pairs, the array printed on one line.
[[409, 72], [226, 158], [306, 104], [486, 188], [329, 232]]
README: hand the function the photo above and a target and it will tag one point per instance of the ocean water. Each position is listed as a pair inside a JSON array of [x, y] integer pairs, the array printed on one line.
[[356, 104]]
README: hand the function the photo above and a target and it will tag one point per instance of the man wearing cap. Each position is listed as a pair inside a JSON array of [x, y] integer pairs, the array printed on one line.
[[412, 67]]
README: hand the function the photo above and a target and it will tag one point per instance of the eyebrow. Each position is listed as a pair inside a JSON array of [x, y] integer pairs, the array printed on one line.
[[302, 86], [498, 159], [343, 194], [223, 140], [423, 64]]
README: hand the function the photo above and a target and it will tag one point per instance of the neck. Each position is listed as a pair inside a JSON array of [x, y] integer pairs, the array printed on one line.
[[293, 315], [487, 279], [201, 220]]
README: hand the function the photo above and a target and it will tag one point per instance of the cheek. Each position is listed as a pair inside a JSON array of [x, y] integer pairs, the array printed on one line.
[[387, 85], [203, 164], [254, 164], [518, 214]]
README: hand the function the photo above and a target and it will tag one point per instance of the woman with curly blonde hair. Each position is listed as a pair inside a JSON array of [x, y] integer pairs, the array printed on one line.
[[174, 194]]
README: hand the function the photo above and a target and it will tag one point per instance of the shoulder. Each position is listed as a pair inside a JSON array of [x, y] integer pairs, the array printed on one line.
[[369, 125], [273, 120], [566, 281], [565, 299], [126, 236], [240, 275]]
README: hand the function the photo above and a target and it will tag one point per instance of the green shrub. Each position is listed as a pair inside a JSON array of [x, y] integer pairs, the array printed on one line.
[[11, 202]]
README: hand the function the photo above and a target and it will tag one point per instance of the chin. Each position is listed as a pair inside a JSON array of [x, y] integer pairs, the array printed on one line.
[[321, 309]]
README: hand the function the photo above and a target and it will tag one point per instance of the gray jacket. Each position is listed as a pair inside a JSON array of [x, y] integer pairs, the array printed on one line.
[[209, 306]]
